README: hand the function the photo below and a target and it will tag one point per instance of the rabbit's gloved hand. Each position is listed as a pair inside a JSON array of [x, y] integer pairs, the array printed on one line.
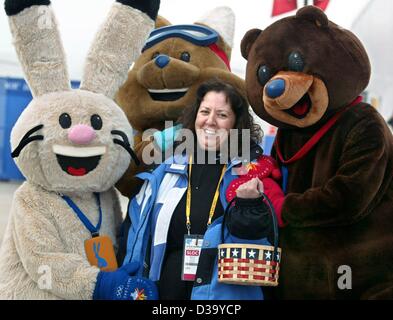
[[121, 285], [150, 7]]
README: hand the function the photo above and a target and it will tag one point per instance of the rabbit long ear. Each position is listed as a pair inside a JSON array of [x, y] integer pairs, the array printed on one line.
[[38, 45], [117, 44]]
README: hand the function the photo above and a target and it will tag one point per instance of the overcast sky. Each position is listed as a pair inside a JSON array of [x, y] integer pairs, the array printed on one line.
[[79, 20]]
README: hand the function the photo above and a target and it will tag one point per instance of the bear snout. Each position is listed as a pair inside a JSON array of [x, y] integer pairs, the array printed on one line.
[[275, 88]]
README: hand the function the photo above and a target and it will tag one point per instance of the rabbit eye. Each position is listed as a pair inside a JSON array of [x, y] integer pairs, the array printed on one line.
[[65, 120], [96, 122]]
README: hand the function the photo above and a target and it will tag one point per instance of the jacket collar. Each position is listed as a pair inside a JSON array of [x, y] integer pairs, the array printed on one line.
[[179, 163]]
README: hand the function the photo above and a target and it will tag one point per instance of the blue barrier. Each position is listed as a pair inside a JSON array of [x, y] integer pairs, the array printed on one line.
[[14, 97]]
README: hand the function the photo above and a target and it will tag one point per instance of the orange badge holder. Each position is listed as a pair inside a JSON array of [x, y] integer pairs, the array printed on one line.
[[100, 253]]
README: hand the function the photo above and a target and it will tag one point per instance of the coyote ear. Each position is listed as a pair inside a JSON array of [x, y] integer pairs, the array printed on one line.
[[117, 44], [38, 45], [161, 22], [222, 20]]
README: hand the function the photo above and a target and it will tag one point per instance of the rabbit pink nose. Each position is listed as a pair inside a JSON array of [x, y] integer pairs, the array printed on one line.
[[81, 134]]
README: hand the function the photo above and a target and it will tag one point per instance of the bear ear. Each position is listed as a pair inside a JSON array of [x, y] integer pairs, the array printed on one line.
[[313, 14], [161, 22], [248, 40]]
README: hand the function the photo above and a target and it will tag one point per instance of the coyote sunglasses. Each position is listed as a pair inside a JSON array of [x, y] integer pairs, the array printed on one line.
[[199, 35], [196, 34]]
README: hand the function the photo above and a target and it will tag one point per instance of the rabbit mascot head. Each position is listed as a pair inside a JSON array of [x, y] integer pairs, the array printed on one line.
[[73, 140]]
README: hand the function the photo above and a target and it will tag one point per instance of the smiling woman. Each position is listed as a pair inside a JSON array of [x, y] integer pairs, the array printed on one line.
[[181, 204], [214, 120], [217, 109]]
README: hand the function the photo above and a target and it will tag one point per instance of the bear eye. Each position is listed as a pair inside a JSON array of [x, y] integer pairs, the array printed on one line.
[[65, 120], [185, 56], [263, 74], [295, 62], [155, 55], [96, 122]]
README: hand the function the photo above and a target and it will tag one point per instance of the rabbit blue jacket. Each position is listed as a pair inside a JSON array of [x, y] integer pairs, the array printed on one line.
[[154, 205]]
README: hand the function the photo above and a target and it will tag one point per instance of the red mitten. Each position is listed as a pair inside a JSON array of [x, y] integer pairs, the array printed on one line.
[[276, 196], [231, 190], [264, 167]]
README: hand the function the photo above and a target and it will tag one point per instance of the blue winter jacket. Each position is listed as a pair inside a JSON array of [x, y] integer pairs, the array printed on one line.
[[154, 205]]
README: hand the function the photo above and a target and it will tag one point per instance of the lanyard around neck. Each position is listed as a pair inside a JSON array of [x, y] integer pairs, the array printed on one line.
[[188, 202], [94, 230]]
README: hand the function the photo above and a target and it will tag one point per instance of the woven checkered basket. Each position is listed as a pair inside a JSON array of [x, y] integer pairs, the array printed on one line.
[[249, 264]]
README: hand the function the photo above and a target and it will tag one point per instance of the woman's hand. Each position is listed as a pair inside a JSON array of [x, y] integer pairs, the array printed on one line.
[[251, 189]]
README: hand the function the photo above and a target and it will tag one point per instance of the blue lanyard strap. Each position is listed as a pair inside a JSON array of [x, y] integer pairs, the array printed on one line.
[[284, 172], [93, 230]]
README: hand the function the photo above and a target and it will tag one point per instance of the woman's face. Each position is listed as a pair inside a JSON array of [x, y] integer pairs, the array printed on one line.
[[214, 120]]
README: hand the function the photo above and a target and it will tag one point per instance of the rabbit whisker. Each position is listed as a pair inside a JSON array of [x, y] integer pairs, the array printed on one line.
[[125, 144], [26, 140]]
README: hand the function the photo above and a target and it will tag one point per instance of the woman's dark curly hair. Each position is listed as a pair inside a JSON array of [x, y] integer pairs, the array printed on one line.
[[238, 103]]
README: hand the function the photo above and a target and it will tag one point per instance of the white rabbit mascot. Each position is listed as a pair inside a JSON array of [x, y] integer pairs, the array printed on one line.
[[72, 146]]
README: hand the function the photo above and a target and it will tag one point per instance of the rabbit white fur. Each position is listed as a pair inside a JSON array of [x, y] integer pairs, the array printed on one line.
[[44, 234]]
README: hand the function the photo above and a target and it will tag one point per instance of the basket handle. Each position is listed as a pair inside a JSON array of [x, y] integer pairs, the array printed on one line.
[[274, 218]]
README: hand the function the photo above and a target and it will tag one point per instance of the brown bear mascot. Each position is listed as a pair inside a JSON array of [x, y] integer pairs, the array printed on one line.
[[174, 62], [304, 75]]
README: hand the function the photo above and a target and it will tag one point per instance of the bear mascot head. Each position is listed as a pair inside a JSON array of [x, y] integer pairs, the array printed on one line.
[[174, 62], [305, 75]]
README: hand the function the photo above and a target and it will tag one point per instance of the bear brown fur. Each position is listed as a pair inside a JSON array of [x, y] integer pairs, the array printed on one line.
[[338, 205]]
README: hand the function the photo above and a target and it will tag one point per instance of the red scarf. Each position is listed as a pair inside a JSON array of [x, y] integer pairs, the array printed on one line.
[[314, 139], [221, 54]]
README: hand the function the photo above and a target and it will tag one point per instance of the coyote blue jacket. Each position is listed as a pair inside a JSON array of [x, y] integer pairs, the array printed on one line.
[[154, 205]]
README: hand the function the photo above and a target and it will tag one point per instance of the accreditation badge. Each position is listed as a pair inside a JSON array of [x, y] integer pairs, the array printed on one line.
[[191, 252], [100, 253]]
